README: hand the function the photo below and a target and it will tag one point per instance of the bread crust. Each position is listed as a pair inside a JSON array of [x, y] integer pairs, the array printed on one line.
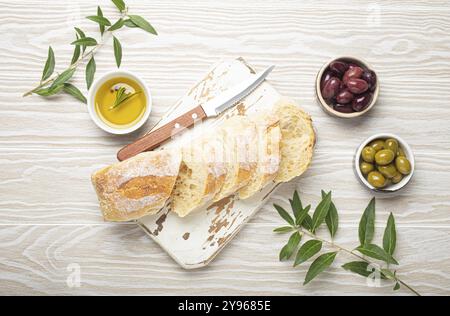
[[138, 186]]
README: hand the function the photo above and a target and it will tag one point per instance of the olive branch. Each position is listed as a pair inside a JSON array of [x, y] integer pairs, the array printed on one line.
[[53, 83], [302, 224]]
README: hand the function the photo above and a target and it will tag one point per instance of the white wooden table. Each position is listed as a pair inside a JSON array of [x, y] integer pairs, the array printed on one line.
[[50, 223]]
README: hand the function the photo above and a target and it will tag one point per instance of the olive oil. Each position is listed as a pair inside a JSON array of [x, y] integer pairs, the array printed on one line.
[[127, 113]]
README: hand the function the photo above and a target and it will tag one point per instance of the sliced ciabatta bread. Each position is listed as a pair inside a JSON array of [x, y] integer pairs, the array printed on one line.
[[193, 183], [268, 161], [297, 140], [138, 186], [202, 174], [240, 140]]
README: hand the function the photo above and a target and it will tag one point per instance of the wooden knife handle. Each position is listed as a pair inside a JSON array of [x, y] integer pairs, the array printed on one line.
[[158, 136]]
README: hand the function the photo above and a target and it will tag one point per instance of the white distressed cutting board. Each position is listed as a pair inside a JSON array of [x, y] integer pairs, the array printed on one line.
[[194, 241]]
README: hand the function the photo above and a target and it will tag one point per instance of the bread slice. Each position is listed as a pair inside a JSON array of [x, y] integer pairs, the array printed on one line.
[[240, 149], [268, 161], [297, 140], [201, 176], [138, 186]]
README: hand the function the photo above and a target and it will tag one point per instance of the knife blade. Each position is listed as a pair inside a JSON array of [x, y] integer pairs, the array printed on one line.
[[211, 108]]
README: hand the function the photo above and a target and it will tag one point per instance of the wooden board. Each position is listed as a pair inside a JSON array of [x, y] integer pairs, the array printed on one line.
[[193, 241], [49, 216]]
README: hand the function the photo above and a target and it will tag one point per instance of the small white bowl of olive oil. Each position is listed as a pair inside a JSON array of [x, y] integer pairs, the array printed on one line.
[[124, 117]]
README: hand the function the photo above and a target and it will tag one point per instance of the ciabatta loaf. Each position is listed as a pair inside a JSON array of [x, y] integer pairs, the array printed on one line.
[[240, 149], [138, 186], [268, 161], [297, 140]]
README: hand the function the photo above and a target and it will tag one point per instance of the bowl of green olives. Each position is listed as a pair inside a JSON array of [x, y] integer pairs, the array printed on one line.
[[384, 163]]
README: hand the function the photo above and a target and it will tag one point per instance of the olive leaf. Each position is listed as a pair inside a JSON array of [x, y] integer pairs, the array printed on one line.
[[142, 23], [319, 265], [321, 211], [117, 51], [396, 286], [287, 251], [122, 97], [73, 91], [296, 204], [332, 218], [100, 14], [63, 77], [283, 229], [102, 21], [116, 25], [358, 267], [90, 72], [52, 90], [119, 4], [390, 236], [49, 64], [285, 215], [129, 23], [76, 53], [85, 41], [82, 35], [307, 222], [376, 252], [303, 215], [307, 250], [367, 224]]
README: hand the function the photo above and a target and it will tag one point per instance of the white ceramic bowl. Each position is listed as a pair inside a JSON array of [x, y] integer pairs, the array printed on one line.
[[95, 116], [392, 187], [326, 107]]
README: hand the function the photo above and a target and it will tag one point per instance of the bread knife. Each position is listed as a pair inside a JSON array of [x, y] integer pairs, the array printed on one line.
[[211, 108]]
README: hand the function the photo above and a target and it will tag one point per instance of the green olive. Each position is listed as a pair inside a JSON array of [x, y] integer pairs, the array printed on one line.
[[368, 154], [384, 157], [391, 144], [366, 167], [397, 178], [403, 165], [400, 152], [377, 144], [376, 179], [388, 171]]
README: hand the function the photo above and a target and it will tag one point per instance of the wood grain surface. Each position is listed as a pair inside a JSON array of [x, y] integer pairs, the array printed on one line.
[[50, 223]]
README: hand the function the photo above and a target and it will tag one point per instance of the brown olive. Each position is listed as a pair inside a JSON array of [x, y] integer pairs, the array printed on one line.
[[352, 72], [397, 178], [371, 78], [339, 67], [384, 157], [344, 97], [361, 102], [366, 167], [368, 154], [357, 86], [376, 179], [391, 144], [343, 108], [325, 77], [331, 88], [377, 144], [403, 165], [388, 171]]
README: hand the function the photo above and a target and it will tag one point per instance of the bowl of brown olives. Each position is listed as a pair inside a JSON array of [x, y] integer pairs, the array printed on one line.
[[347, 87], [384, 163]]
